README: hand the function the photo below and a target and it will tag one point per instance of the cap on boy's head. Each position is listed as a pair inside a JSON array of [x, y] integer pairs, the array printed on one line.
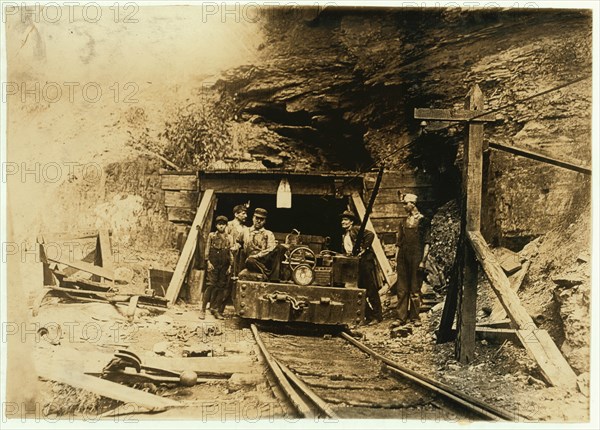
[[409, 198], [239, 208], [260, 213], [221, 220], [348, 215]]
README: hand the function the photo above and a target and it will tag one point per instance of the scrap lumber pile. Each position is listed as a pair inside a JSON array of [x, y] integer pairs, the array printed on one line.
[[91, 279]]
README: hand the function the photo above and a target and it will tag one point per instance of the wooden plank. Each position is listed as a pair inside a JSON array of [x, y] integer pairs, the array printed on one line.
[[538, 343], [204, 366], [179, 182], [499, 281], [390, 195], [569, 165], [86, 267], [399, 180], [181, 199], [269, 185], [104, 255], [70, 376], [497, 335], [498, 313], [493, 335], [384, 264], [180, 214], [388, 209], [472, 174], [553, 366], [190, 247], [385, 225], [195, 281], [453, 115], [177, 172]]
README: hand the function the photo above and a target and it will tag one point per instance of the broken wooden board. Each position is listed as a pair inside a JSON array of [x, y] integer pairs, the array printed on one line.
[[538, 343], [384, 263], [189, 248], [85, 267], [509, 260], [68, 375]]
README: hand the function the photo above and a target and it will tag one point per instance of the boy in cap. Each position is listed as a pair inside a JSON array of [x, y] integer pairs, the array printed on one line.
[[218, 255], [412, 250], [366, 266], [235, 228], [263, 252]]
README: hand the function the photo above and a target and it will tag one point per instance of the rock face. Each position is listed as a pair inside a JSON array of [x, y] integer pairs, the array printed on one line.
[[343, 83]]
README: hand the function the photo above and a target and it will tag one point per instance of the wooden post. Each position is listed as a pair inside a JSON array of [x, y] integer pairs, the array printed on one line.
[[183, 264], [472, 183]]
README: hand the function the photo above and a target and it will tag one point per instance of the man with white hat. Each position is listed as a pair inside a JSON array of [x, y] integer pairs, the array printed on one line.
[[412, 249]]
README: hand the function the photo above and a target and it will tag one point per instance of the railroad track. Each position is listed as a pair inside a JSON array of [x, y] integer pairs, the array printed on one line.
[[339, 377]]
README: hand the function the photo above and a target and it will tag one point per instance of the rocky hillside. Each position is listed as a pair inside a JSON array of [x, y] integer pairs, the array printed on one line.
[[343, 83]]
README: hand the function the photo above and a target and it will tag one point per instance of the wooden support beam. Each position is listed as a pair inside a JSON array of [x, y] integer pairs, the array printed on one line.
[[189, 248], [543, 158], [453, 115], [472, 186], [384, 263], [499, 281], [538, 343]]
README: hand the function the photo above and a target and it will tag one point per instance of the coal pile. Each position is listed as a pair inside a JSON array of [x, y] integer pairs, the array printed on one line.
[[445, 229]]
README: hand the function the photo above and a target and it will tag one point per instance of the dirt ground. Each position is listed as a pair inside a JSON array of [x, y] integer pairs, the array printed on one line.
[[502, 374]]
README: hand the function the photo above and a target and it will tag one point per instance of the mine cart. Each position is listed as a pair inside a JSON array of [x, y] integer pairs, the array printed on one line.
[[317, 286]]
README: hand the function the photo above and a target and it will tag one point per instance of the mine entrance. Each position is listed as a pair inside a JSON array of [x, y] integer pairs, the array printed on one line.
[[311, 215]]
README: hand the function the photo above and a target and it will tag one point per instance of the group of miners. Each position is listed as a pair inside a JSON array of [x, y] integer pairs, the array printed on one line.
[[235, 250]]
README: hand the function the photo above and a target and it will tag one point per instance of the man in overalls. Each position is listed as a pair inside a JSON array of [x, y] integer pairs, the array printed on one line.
[[412, 250]]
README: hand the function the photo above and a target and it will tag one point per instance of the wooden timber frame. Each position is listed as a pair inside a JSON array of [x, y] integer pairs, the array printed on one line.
[[554, 368], [208, 185]]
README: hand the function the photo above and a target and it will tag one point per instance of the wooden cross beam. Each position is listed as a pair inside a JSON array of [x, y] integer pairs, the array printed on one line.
[[453, 114]]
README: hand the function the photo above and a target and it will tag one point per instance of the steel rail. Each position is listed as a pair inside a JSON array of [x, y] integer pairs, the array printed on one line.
[[301, 406], [468, 402], [308, 392]]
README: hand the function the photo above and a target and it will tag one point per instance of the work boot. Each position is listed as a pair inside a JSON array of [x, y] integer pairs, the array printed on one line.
[[218, 315], [202, 315]]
